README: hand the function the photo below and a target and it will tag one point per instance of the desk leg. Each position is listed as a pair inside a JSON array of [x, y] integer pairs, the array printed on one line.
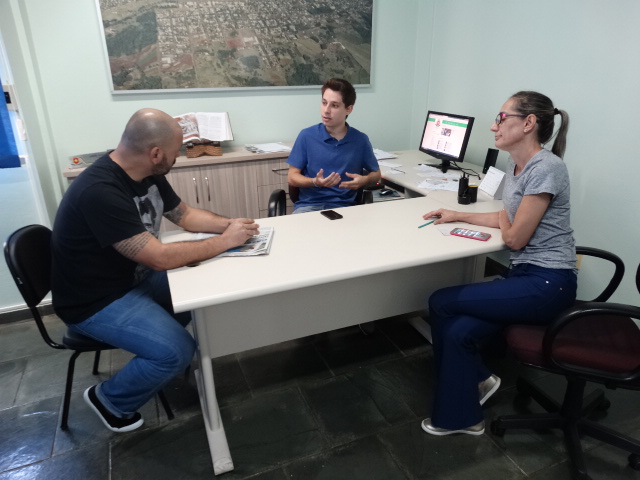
[[218, 445]]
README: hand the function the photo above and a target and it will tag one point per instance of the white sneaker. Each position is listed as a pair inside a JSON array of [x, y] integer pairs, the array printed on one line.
[[488, 388], [472, 430]]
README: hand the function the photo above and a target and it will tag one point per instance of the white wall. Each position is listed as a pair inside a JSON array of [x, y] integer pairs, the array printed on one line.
[[584, 55]]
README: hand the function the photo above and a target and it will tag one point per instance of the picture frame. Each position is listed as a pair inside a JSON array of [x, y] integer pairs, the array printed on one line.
[[156, 46]]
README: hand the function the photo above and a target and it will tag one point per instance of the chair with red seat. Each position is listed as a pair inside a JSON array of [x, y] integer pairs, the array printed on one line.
[[592, 342]]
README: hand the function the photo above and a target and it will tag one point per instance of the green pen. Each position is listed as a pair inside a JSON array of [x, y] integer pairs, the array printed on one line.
[[428, 223]]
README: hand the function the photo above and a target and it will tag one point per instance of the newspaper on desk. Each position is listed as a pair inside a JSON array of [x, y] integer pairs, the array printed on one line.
[[257, 245]]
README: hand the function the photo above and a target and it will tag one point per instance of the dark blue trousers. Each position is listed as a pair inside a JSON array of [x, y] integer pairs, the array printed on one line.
[[464, 317]]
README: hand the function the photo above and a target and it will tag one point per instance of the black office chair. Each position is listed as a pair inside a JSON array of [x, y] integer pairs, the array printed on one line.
[[592, 342], [28, 255], [278, 199]]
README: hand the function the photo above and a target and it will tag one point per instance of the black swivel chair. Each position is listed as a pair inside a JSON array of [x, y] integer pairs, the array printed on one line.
[[278, 199], [28, 255], [592, 342]]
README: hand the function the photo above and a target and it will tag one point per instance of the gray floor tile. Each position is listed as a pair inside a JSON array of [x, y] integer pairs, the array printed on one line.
[[90, 463], [345, 411], [410, 381], [11, 373], [22, 339], [363, 459], [270, 431], [27, 433], [175, 450], [454, 457]]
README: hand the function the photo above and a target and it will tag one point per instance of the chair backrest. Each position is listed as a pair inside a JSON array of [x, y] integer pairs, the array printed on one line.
[[28, 255]]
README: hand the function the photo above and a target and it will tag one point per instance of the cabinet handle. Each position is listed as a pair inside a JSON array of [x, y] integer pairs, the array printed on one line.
[[195, 185], [276, 170], [206, 179]]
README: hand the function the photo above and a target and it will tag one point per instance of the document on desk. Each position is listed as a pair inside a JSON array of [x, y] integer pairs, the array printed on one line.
[[493, 183], [440, 181], [382, 155], [257, 245], [267, 147]]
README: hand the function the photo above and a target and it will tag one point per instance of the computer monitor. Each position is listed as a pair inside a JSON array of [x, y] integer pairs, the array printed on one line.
[[445, 138]]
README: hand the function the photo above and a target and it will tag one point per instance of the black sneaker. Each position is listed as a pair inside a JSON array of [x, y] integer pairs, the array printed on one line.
[[113, 423]]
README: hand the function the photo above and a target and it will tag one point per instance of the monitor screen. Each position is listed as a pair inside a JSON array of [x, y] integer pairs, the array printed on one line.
[[445, 138]]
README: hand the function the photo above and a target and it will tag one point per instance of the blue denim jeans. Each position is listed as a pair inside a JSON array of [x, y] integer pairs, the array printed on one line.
[[139, 323], [464, 317]]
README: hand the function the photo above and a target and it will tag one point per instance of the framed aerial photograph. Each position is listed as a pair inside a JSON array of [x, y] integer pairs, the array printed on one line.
[[181, 45]]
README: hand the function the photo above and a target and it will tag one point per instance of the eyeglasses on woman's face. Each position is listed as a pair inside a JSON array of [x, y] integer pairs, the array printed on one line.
[[502, 115]]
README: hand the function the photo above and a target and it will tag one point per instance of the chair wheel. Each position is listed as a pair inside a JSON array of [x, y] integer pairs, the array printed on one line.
[[604, 404], [496, 430], [634, 461]]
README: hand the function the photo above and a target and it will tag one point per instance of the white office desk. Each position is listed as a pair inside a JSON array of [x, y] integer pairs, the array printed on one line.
[[320, 275], [410, 179]]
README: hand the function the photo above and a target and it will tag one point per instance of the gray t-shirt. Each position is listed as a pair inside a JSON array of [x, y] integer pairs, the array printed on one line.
[[552, 244]]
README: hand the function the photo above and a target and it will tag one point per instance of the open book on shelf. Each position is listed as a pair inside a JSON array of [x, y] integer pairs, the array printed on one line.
[[257, 245], [205, 127]]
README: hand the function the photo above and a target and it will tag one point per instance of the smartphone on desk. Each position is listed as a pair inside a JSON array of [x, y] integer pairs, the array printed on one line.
[[463, 232], [331, 215]]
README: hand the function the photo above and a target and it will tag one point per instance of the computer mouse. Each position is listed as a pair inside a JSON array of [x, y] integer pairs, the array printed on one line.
[[386, 191]]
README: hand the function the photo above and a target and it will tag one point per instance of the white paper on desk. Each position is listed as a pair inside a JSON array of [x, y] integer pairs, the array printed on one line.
[[381, 154], [493, 183], [427, 168], [269, 147], [385, 163], [441, 181], [445, 229]]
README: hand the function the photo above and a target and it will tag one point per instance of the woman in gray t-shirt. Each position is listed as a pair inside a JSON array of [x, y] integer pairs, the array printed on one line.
[[541, 282]]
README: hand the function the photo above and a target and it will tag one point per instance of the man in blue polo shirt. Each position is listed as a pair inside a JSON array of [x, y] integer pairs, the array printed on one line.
[[328, 159]]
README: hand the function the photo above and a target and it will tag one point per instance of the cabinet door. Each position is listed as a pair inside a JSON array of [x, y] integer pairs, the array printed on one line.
[[187, 184], [230, 189]]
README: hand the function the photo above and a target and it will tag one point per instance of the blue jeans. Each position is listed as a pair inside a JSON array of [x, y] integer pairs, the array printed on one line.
[[464, 317], [139, 323]]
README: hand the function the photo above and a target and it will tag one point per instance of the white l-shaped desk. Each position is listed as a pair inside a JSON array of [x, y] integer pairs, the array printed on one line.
[[320, 275]]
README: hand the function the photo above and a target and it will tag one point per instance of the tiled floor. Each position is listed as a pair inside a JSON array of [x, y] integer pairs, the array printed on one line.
[[333, 406]]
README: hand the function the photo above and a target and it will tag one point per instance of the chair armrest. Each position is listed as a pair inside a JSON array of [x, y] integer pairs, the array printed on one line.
[[617, 274], [367, 197], [277, 203]]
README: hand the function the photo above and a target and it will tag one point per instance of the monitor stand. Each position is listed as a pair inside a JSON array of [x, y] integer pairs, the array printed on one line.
[[444, 166]]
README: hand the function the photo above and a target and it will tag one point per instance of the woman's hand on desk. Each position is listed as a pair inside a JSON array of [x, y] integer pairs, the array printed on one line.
[[442, 215]]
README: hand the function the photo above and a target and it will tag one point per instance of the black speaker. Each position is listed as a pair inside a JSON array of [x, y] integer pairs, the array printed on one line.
[[490, 161]]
